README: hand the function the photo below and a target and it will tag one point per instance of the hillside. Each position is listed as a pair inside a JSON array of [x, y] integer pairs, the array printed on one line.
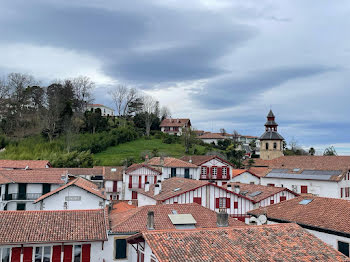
[[116, 154]]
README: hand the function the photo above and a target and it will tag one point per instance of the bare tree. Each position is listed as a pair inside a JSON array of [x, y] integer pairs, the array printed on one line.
[[119, 94], [164, 112], [131, 97], [82, 87], [149, 105]]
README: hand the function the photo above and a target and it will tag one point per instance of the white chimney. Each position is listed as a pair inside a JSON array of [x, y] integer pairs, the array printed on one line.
[[222, 219], [229, 187], [237, 189], [159, 182], [147, 186], [156, 189], [150, 220]]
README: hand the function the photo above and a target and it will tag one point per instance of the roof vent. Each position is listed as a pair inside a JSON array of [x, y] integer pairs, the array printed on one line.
[[243, 193], [174, 212], [296, 169], [26, 168], [254, 194], [305, 201]]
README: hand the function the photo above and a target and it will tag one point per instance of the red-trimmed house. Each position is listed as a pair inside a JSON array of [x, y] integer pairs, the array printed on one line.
[[211, 168], [136, 176], [235, 203], [174, 126], [245, 176]]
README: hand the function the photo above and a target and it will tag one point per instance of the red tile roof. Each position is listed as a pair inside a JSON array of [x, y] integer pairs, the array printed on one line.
[[199, 160], [121, 207], [79, 182], [135, 220], [134, 167], [266, 191], [21, 227], [21, 164], [113, 173], [170, 184], [177, 122], [212, 136], [321, 212], [96, 171], [270, 243], [259, 171], [169, 162], [35, 176]]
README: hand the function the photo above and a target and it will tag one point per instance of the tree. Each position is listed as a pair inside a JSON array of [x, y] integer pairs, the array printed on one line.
[[330, 151], [82, 87], [312, 151], [189, 139], [164, 113], [252, 146], [124, 97], [251, 162], [235, 155], [235, 137], [149, 105], [223, 131]]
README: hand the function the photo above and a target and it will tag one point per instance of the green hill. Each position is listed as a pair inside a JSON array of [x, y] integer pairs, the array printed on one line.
[[116, 154]]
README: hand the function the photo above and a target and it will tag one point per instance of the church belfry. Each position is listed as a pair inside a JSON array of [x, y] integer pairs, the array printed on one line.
[[271, 142]]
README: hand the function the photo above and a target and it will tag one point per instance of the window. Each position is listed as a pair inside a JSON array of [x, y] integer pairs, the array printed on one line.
[[77, 253], [46, 188], [134, 195], [267, 146], [235, 205], [5, 254], [21, 206], [173, 172], [347, 192], [222, 202], [343, 247], [224, 171], [282, 198], [43, 254], [197, 200], [214, 171], [120, 248], [341, 192], [303, 189], [203, 170], [272, 201], [274, 145]]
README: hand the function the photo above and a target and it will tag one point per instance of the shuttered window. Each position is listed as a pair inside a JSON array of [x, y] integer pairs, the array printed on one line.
[[282, 198], [120, 248], [222, 202], [235, 205], [272, 202], [197, 200], [5, 254], [56, 254]]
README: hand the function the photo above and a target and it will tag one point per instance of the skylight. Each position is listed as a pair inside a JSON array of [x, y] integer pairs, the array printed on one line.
[[177, 189], [296, 169], [305, 201], [256, 193], [244, 192]]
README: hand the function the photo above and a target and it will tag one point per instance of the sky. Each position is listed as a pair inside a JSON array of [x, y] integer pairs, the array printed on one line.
[[223, 64]]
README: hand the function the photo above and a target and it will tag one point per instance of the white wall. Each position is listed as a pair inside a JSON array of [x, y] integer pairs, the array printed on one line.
[[246, 178], [319, 188], [143, 200], [87, 201], [276, 198], [180, 172], [343, 184], [108, 252]]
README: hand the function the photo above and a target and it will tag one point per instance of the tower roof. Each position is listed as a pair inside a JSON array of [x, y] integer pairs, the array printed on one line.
[[270, 114], [271, 135]]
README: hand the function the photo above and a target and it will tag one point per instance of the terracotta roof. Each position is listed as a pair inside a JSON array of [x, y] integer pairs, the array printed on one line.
[[135, 220], [266, 191], [259, 171], [35, 176], [321, 212], [169, 162], [179, 122], [199, 160], [170, 184], [21, 164], [95, 171], [212, 136], [270, 243], [237, 172], [121, 207], [134, 167], [20, 227], [79, 182], [114, 173]]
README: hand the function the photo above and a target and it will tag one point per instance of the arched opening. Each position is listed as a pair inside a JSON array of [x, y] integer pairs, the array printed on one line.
[[267, 145]]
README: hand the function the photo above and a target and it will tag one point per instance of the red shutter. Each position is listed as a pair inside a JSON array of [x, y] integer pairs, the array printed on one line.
[[304, 189], [130, 182], [16, 254], [56, 254], [155, 179], [67, 257], [235, 205], [146, 179], [115, 184], [272, 202], [208, 172], [217, 203], [197, 200], [282, 198], [134, 195], [219, 172], [270, 184], [228, 202], [27, 254], [140, 181], [86, 250], [211, 172], [228, 173]]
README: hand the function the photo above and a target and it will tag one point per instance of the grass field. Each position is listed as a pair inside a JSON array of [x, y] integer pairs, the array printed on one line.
[[115, 155]]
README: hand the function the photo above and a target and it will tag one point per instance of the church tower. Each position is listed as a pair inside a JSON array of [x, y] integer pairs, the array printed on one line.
[[271, 142]]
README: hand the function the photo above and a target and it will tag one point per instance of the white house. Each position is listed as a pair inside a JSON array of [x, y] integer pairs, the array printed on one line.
[[136, 176], [69, 235], [245, 176], [285, 242], [176, 126], [326, 218], [155, 217], [113, 182], [20, 188], [77, 194], [105, 110], [212, 138], [211, 168]]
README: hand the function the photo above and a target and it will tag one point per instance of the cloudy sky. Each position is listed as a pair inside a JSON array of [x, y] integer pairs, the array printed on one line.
[[223, 64]]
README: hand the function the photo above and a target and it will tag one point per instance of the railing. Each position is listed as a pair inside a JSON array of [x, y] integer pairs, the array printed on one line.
[[208, 176], [21, 196]]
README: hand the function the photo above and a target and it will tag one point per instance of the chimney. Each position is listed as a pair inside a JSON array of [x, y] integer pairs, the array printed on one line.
[[159, 182], [219, 183], [147, 186], [237, 189], [229, 187], [150, 220], [222, 219], [156, 189], [161, 160], [190, 159]]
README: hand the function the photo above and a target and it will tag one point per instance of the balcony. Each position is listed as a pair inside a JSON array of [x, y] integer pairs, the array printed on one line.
[[21, 196], [214, 177]]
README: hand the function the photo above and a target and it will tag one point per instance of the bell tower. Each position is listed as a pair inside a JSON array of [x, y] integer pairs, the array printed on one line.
[[271, 142]]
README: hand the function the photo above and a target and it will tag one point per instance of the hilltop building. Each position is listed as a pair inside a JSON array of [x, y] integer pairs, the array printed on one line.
[[175, 127]]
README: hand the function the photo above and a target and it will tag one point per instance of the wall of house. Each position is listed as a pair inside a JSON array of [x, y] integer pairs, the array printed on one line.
[[211, 140], [147, 253], [276, 198], [271, 153], [171, 131], [246, 178], [109, 249], [319, 188], [215, 163], [87, 200], [109, 189], [180, 172], [143, 200], [343, 184]]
